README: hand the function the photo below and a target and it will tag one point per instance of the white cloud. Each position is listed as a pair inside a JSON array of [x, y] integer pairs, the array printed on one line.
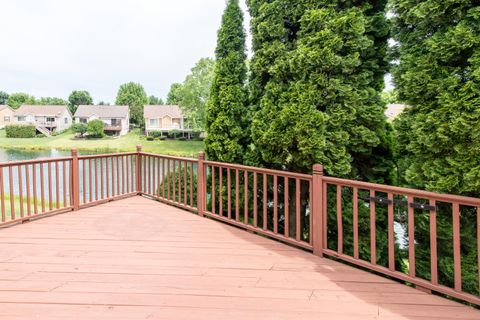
[[51, 47]]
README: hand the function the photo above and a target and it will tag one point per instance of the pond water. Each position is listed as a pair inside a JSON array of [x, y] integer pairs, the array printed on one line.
[[20, 154]]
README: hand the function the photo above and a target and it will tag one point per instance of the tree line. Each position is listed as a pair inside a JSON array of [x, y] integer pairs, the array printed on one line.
[[313, 93]]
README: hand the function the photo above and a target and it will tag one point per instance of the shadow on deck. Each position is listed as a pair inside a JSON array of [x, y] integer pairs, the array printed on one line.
[[140, 259]]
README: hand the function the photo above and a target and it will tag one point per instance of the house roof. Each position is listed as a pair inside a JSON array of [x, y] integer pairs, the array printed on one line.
[[40, 110], [160, 111], [102, 111], [394, 109], [4, 106]]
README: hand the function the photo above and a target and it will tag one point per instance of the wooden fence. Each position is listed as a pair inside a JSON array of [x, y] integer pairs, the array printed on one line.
[[311, 211]]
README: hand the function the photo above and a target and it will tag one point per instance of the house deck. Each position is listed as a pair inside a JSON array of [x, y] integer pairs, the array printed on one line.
[[140, 259]]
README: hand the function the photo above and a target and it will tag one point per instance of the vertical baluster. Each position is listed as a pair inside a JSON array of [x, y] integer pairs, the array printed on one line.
[[373, 236], [457, 264], [191, 184], [245, 202], [355, 223], [297, 209], [237, 191], [433, 242], [132, 173], [265, 198], [90, 180], [42, 187], [102, 179], [159, 177], [220, 188], [95, 173], [27, 184], [49, 171], [128, 164], [325, 214], [255, 200], [229, 194], [478, 244], [163, 178], [113, 175], [275, 203], [168, 179], [124, 174], [118, 175], [34, 189], [391, 234], [2, 195], [12, 194], [64, 176], [57, 184], [411, 238], [149, 175], [286, 208], [174, 180], [185, 183], [179, 181], [310, 216], [20, 189], [213, 188], [339, 220], [107, 183]]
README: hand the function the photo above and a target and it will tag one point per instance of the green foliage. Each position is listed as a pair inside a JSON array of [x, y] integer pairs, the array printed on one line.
[[192, 95], [79, 128], [103, 103], [439, 137], [188, 184], [77, 98], [390, 96], [316, 84], [95, 129], [227, 113], [3, 97], [51, 101], [20, 131], [152, 100], [133, 95], [173, 97], [15, 100]]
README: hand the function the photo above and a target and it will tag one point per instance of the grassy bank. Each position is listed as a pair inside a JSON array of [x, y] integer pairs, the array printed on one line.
[[66, 141]]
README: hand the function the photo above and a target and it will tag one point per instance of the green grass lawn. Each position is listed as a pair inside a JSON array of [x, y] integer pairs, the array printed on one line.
[[66, 141]]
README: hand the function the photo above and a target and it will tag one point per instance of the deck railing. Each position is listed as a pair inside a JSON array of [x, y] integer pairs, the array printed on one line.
[[325, 215]]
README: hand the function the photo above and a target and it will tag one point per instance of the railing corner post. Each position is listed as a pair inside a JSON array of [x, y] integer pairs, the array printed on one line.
[[139, 170], [75, 178], [317, 208], [200, 184]]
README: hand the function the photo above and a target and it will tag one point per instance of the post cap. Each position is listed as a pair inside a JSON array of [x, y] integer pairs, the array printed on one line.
[[201, 155], [74, 152], [139, 148], [318, 169]]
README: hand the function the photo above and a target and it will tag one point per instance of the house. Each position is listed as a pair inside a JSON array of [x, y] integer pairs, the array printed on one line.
[[116, 118], [6, 116], [46, 118], [164, 119], [394, 110]]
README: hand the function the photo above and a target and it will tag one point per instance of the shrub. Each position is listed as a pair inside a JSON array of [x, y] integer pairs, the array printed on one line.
[[20, 131], [150, 138], [79, 128], [174, 133], [95, 129]]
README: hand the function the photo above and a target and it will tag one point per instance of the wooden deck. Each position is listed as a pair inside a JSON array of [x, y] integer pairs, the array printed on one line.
[[139, 259]]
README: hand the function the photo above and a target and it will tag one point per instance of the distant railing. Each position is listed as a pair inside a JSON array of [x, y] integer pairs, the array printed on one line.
[[325, 215], [110, 127]]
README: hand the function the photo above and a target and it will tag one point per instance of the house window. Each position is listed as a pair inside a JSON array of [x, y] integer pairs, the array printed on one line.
[[115, 122], [6, 119], [83, 120], [49, 119], [153, 122], [65, 120], [21, 118]]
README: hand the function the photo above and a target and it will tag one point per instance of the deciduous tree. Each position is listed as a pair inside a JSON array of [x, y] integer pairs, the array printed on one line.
[[3, 97], [133, 95], [15, 100], [77, 98]]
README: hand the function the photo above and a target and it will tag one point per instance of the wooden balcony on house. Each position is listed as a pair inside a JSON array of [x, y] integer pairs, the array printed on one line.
[[174, 245], [109, 127]]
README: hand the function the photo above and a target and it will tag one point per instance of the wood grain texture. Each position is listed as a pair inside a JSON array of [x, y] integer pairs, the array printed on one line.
[[140, 259]]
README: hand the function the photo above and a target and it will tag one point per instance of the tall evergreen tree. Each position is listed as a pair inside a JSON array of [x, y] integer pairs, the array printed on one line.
[[439, 136], [227, 124], [317, 76]]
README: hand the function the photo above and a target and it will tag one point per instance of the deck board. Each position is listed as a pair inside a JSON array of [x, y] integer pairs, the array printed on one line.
[[140, 259]]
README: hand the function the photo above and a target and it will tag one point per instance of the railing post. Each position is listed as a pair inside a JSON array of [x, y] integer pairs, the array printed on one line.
[[200, 184], [139, 169], [317, 210], [75, 181]]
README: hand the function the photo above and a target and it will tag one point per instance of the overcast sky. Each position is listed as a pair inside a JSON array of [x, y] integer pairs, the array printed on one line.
[[52, 47]]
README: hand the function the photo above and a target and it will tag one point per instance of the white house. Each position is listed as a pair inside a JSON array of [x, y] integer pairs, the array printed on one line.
[[46, 118], [6, 116], [394, 110], [159, 118], [116, 118]]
